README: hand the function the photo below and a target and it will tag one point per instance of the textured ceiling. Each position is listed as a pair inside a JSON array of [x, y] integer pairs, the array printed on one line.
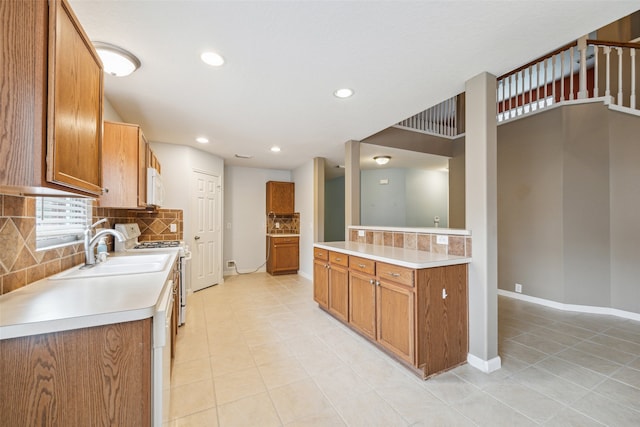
[[285, 59]]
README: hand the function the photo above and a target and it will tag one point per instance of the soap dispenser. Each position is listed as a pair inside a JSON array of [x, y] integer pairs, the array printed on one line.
[[102, 250]]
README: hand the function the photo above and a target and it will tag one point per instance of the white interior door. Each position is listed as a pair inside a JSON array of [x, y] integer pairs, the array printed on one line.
[[206, 245]]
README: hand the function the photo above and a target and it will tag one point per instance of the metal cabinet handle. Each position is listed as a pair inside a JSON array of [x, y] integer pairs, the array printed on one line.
[[338, 259], [361, 265], [393, 274], [372, 281], [377, 283]]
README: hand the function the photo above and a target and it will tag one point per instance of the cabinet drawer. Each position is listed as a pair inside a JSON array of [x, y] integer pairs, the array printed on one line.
[[362, 264], [395, 273], [282, 240], [339, 259], [322, 254]]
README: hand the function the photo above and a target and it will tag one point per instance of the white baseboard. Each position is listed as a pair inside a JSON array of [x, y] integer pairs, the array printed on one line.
[[305, 275], [486, 366], [572, 307]]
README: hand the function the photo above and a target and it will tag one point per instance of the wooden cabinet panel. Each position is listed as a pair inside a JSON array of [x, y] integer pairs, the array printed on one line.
[[339, 292], [121, 154], [280, 197], [322, 254], [362, 264], [51, 117], [321, 283], [443, 304], [143, 148], [362, 303], [74, 129], [284, 255], [395, 273], [83, 377], [337, 258], [395, 317]]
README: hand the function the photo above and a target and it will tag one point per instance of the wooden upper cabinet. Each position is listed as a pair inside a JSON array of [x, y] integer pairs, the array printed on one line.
[[280, 197], [124, 153], [51, 101]]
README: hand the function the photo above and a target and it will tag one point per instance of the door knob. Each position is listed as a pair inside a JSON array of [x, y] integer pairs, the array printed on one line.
[[197, 237]]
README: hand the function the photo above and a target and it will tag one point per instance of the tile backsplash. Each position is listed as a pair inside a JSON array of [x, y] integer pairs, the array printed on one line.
[[428, 242], [21, 264]]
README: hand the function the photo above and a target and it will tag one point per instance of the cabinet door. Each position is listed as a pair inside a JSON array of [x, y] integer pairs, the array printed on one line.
[[395, 319], [362, 303], [445, 330], [339, 292], [120, 152], [280, 197], [142, 169], [321, 283], [74, 128]]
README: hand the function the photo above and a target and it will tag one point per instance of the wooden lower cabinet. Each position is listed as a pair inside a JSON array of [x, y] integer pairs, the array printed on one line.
[[284, 255], [83, 377], [395, 319], [417, 315]]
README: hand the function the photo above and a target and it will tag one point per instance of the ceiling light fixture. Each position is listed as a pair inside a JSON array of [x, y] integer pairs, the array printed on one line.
[[116, 61], [382, 160], [212, 58], [202, 140], [343, 93], [275, 149], [243, 156]]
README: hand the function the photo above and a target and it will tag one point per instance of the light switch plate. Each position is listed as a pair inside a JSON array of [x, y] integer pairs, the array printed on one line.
[[360, 233], [442, 240]]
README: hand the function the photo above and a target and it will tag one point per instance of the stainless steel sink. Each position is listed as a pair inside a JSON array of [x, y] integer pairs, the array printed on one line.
[[117, 266]]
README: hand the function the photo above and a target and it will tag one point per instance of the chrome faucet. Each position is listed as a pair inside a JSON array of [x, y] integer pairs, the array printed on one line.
[[90, 241]]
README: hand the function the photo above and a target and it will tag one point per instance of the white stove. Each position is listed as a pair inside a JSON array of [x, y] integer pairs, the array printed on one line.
[[131, 232]]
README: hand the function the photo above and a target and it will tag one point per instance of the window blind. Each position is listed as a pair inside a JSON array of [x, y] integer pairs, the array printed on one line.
[[61, 220]]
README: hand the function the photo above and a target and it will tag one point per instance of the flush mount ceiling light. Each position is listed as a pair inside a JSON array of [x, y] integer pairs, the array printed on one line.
[[343, 93], [116, 61], [212, 58], [382, 160], [275, 149], [202, 140]]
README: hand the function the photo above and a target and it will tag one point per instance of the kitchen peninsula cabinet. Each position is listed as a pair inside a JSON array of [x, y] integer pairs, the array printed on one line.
[[417, 315], [52, 99], [280, 197], [339, 285], [125, 166], [83, 377]]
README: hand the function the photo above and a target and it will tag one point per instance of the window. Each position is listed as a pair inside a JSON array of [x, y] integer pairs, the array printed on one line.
[[61, 221]]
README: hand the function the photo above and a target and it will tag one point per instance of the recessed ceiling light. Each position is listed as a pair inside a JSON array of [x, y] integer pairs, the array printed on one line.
[[275, 149], [212, 58], [343, 93], [116, 61], [202, 140]]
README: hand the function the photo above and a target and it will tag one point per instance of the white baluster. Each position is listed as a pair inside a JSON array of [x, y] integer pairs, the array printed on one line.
[[561, 77], [554, 65], [571, 73], [619, 49], [544, 78], [538, 83], [582, 73], [530, 89], [595, 72], [607, 55], [632, 54]]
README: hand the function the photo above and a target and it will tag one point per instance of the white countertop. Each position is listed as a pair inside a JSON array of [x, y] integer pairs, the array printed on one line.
[[57, 305], [425, 230], [405, 257]]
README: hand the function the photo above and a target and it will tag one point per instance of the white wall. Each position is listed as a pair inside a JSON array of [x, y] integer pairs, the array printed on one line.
[[427, 194], [303, 178], [109, 113], [245, 215], [178, 162]]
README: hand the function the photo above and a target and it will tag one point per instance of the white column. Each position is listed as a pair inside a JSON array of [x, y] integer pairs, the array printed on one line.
[[481, 219], [351, 185], [318, 199], [582, 47]]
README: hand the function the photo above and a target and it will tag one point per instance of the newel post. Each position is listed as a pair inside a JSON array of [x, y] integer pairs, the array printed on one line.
[[582, 48]]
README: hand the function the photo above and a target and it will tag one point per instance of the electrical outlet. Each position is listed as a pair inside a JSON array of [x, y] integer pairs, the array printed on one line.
[[518, 288], [173, 228], [360, 233], [277, 225], [231, 263], [442, 240]]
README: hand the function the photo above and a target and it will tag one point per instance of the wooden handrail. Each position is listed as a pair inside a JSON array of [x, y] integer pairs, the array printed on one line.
[[542, 58], [614, 44]]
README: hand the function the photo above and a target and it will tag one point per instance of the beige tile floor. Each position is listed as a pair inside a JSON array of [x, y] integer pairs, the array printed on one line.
[[257, 351]]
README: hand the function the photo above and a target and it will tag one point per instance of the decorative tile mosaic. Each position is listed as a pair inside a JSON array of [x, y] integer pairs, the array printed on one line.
[[286, 223]]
